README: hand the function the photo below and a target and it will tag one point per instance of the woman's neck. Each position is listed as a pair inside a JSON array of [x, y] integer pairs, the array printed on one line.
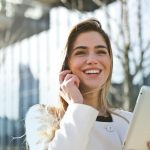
[[91, 99]]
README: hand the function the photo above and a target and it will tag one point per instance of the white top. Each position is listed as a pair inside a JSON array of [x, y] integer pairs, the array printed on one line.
[[79, 129]]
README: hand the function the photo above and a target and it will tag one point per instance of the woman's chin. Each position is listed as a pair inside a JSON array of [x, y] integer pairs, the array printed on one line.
[[90, 88]]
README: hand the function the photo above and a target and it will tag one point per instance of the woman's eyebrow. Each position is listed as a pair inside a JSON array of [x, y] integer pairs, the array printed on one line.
[[80, 47], [85, 47], [101, 46]]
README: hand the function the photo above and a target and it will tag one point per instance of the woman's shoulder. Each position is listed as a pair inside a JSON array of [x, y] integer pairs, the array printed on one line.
[[42, 112], [36, 109], [41, 122], [123, 113]]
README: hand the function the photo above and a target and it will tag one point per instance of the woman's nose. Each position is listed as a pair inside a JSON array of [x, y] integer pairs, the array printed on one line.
[[91, 59]]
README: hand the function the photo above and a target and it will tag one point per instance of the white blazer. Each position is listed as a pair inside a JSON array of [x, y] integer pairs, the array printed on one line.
[[79, 129]]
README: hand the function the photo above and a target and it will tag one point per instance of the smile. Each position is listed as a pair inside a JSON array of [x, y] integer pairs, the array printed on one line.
[[92, 71]]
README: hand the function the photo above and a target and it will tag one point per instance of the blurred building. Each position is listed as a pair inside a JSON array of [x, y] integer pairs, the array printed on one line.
[[32, 16], [28, 90], [12, 131]]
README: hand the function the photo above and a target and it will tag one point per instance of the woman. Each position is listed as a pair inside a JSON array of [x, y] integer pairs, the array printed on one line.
[[84, 120]]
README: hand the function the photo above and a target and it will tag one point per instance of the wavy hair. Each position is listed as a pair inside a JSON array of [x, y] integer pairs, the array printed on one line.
[[91, 24]]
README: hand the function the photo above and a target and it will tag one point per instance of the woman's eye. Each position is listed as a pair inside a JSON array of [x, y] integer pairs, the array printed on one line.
[[102, 52], [80, 53]]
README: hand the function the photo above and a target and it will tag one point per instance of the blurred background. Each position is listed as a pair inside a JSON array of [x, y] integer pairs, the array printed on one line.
[[32, 35]]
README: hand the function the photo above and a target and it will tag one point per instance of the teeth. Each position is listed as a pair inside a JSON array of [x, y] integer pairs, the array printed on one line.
[[92, 71]]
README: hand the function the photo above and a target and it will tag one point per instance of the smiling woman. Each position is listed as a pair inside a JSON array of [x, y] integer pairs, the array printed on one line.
[[90, 61], [83, 120]]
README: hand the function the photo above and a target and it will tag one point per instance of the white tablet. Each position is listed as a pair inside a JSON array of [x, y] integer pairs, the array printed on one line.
[[139, 128]]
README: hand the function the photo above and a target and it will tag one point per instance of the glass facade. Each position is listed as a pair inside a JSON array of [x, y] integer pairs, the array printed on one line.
[[28, 76]]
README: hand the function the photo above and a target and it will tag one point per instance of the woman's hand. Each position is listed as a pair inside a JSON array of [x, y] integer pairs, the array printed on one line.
[[69, 87]]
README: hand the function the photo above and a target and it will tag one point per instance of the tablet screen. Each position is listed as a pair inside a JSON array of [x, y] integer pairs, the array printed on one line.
[[139, 128]]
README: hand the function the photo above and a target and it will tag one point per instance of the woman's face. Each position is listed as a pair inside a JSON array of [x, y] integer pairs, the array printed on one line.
[[90, 60]]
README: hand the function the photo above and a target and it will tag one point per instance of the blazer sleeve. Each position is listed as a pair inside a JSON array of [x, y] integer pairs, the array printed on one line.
[[73, 134]]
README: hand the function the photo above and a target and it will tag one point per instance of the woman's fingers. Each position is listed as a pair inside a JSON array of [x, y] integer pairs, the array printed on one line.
[[76, 80], [72, 78], [65, 77], [63, 74], [69, 84]]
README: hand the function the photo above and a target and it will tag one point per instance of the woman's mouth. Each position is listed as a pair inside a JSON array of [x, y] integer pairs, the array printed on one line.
[[92, 71]]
